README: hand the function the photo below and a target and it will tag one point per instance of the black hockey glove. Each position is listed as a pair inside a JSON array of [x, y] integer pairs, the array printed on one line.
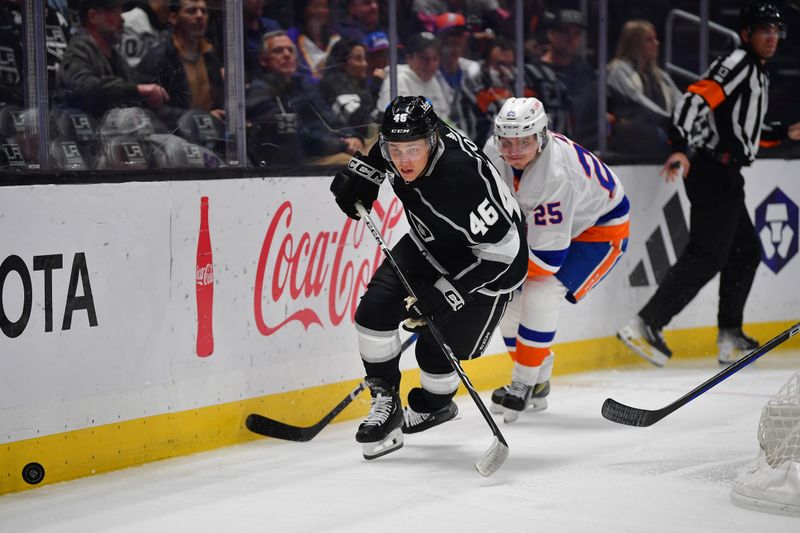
[[359, 182], [437, 301]]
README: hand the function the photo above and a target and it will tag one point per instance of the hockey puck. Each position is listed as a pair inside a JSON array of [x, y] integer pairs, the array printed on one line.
[[33, 473]]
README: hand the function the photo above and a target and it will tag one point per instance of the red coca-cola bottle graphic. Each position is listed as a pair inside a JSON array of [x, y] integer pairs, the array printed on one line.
[[204, 285]]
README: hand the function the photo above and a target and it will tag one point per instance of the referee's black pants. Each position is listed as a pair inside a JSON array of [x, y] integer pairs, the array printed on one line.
[[722, 240], [382, 308]]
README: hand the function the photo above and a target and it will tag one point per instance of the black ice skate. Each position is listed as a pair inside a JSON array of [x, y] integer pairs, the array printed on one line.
[[733, 344], [414, 422], [645, 341], [516, 400], [380, 433], [537, 401]]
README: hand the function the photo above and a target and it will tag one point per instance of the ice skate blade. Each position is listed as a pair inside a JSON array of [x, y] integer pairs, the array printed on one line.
[[509, 416], [537, 404], [640, 347], [534, 406], [730, 357], [393, 441], [493, 459]]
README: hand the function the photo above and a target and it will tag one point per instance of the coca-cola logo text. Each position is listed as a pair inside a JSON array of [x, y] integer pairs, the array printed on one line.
[[295, 266], [205, 275]]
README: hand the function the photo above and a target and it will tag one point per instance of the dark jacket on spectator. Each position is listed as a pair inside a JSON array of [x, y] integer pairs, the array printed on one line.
[[291, 121], [163, 65], [350, 99], [93, 83]]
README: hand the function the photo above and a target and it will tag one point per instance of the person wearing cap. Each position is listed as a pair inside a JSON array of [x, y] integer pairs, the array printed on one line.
[[291, 122], [377, 47], [185, 63], [451, 30], [421, 75], [94, 76], [489, 14], [565, 32]]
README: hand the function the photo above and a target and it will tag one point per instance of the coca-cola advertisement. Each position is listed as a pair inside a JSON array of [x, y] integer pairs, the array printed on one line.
[[316, 279], [204, 285]]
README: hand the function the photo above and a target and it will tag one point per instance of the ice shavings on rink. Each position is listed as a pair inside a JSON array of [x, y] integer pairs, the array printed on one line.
[[569, 470]]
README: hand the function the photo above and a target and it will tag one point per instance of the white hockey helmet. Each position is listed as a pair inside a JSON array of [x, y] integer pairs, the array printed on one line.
[[522, 117]]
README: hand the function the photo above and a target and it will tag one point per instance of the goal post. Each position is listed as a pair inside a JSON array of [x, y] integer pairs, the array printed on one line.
[[771, 483]]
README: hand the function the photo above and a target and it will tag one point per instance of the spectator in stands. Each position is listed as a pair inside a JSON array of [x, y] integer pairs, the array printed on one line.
[[486, 13], [12, 40], [543, 83], [314, 36], [451, 30], [377, 45], [363, 18], [185, 64], [565, 34], [11, 60], [255, 26], [290, 120], [421, 76], [488, 87], [642, 95], [94, 77], [344, 86], [145, 24]]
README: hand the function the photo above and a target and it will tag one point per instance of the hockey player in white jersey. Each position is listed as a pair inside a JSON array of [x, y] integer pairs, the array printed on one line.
[[577, 218]]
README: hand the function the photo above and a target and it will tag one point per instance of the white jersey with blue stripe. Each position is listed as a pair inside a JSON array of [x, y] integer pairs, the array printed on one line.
[[566, 191]]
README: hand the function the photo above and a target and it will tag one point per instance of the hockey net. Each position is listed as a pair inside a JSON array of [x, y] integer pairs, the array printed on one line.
[[772, 482]]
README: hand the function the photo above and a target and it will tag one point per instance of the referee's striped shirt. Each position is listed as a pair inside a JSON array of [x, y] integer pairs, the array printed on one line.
[[724, 111]]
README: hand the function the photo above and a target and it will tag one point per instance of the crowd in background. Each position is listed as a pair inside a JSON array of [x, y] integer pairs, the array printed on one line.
[[140, 84]]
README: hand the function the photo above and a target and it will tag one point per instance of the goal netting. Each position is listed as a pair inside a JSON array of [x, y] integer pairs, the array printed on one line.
[[772, 482]]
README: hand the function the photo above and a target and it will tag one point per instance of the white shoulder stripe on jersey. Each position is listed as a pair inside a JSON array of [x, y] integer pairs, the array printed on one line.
[[502, 252]]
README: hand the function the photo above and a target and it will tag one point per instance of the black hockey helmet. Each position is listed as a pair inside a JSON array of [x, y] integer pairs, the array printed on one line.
[[761, 12], [408, 118]]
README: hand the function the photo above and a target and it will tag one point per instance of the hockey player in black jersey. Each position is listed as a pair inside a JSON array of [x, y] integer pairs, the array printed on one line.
[[464, 255]]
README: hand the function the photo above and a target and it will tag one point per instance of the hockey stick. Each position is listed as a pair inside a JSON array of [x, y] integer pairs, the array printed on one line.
[[270, 427], [633, 416], [496, 455]]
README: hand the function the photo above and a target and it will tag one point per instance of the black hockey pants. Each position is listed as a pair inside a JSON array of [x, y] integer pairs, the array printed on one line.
[[721, 240], [382, 308]]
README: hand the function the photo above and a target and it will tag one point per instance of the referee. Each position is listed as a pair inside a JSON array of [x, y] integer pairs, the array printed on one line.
[[720, 116]]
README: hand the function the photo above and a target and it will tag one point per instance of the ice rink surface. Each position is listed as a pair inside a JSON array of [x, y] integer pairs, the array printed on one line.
[[569, 470]]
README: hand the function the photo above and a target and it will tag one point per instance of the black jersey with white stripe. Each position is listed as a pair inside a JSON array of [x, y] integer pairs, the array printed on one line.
[[724, 111], [463, 217]]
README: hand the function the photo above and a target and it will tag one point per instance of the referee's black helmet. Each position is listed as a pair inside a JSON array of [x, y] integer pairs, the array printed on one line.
[[760, 13]]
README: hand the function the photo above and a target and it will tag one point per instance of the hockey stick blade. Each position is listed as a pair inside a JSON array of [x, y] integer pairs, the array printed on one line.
[[280, 430], [633, 416], [276, 429], [493, 459]]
